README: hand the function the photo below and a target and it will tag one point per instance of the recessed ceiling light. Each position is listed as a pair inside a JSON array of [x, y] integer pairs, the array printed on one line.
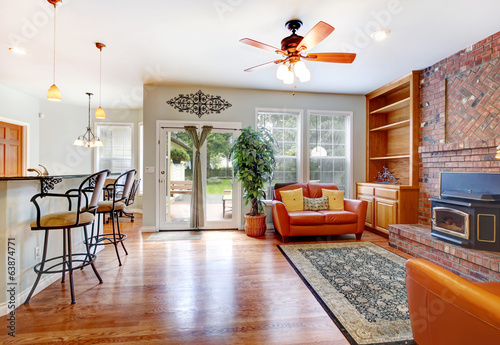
[[381, 34], [17, 50]]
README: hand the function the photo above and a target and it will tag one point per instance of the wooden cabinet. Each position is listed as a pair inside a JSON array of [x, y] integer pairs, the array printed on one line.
[[392, 129], [392, 142], [388, 204]]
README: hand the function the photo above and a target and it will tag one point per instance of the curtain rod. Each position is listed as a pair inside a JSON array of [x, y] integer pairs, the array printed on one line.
[[226, 129]]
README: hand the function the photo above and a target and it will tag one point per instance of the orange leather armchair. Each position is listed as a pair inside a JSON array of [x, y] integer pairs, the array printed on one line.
[[446, 309], [318, 223]]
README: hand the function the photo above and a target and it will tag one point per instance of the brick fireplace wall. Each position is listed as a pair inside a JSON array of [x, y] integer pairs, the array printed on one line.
[[459, 117]]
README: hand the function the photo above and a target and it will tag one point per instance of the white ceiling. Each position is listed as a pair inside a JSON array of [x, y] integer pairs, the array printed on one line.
[[196, 42]]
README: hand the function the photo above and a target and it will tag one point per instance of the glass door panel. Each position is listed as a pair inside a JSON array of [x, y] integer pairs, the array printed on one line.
[[220, 191], [176, 179]]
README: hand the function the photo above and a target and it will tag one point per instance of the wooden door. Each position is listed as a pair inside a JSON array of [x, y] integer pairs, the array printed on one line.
[[11, 149], [386, 212]]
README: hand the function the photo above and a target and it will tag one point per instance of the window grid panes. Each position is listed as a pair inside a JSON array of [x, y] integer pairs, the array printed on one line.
[[328, 149], [284, 128], [116, 152]]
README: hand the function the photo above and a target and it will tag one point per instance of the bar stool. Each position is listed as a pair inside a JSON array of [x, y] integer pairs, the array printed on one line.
[[119, 193], [66, 221]]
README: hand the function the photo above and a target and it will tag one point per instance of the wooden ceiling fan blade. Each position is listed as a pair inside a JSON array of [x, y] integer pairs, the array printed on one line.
[[263, 64], [317, 34], [261, 45], [331, 57]]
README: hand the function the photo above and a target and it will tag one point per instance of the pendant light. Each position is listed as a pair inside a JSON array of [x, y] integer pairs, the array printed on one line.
[[53, 94], [88, 139], [99, 113]]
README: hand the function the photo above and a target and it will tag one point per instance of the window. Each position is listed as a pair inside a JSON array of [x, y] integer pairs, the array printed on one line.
[[141, 155], [329, 148], [325, 155], [284, 127], [116, 154]]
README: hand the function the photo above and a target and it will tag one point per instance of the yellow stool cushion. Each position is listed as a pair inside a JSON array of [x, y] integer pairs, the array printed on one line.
[[62, 220], [107, 206]]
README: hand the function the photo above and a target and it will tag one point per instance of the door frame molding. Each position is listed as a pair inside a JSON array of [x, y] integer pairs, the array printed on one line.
[[177, 123]]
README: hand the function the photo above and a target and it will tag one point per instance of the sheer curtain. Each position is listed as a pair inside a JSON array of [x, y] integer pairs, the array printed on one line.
[[197, 211]]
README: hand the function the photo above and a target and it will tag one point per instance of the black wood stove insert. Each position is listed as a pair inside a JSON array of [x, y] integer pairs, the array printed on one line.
[[467, 213]]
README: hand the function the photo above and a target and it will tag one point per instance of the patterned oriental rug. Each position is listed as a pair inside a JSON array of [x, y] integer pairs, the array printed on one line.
[[360, 285]]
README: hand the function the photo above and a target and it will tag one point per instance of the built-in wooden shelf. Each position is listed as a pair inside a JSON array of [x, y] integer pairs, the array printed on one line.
[[389, 157], [395, 125], [393, 106]]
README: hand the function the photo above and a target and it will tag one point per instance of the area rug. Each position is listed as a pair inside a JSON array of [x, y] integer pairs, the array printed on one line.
[[175, 236], [360, 285]]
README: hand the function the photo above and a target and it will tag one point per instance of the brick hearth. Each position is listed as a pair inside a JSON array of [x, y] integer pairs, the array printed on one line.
[[473, 265]]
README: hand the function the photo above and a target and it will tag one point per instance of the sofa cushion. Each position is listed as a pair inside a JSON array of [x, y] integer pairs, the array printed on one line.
[[306, 218], [339, 217], [305, 190], [293, 199], [316, 204], [335, 199], [315, 189]]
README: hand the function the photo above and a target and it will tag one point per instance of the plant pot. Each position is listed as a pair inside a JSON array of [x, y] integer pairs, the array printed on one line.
[[255, 225], [176, 161]]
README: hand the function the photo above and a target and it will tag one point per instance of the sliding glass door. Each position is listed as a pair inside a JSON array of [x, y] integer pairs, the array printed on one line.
[[175, 162]]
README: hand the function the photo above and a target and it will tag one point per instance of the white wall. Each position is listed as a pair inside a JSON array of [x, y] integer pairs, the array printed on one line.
[[22, 109], [244, 102]]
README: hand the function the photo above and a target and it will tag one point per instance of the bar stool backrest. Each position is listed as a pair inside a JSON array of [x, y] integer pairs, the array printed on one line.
[[96, 181], [125, 186]]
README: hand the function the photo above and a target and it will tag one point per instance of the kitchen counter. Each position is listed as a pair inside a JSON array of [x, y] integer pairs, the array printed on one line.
[[16, 214]]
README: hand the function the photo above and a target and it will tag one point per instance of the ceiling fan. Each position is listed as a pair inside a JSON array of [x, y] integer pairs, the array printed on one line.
[[293, 48]]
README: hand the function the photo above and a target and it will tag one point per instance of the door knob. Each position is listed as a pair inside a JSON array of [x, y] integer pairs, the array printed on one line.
[[162, 172], [162, 181]]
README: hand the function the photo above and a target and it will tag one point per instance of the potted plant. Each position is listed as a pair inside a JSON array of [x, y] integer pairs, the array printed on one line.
[[253, 163], [178, 155]]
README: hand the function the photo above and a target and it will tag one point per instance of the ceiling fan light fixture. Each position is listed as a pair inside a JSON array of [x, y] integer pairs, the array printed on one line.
[[381, 34], [281, 72], [289, 77], [305, 76]]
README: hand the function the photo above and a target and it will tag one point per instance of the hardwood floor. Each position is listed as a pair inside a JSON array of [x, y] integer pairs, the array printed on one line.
[[226, 288]]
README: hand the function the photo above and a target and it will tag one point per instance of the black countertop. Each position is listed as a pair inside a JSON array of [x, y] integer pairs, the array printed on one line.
[[37, 178]]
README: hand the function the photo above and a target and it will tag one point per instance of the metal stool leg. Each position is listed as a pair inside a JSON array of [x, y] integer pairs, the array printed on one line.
[[120, 234], [88, 255], [114, 238], [42, 264], [70, 266], [63, 277]]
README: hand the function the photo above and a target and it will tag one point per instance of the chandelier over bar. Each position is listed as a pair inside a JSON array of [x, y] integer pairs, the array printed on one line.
[[88, 139]]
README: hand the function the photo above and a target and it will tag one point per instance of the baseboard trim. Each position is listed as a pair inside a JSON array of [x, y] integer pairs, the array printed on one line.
[[151, 228]]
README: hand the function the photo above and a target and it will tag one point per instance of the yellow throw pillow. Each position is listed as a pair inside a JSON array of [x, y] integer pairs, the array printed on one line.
[[335, 199], [293, 199]]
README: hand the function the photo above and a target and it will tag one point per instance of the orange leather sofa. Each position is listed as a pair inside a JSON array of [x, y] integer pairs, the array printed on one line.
[[446, 309], [318, 223]]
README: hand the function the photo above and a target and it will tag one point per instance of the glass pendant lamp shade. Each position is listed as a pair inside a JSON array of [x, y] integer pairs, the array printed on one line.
[[305, 75], [78, 141], [53, 94], [100, 114], [281, 72], [289, 77]]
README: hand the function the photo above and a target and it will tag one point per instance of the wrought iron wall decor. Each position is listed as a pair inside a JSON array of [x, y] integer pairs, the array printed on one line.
[[199, 103], [386, 177]]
